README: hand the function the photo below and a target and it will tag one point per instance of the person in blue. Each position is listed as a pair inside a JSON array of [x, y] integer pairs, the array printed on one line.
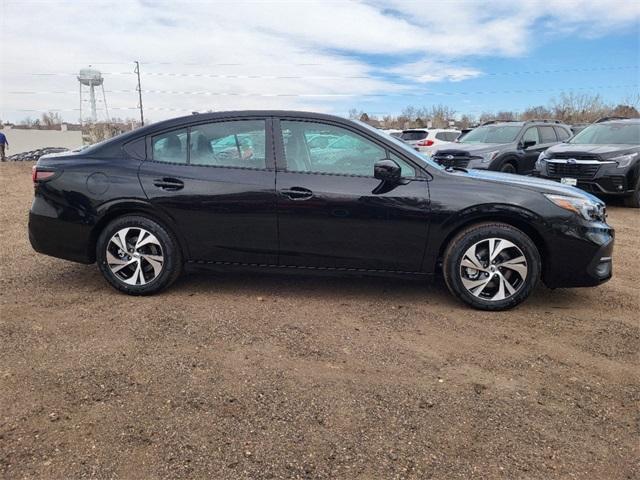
[[4, 144]]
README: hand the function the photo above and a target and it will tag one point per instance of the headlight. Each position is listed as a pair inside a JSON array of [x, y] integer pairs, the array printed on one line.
[[541, 158], [487, 157], [624, 160], [584, 207]]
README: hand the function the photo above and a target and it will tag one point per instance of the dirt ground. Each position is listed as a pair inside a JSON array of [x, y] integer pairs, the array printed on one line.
[[249, 376]]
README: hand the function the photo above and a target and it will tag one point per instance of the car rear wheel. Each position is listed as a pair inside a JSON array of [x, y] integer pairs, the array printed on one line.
[[138, 256], [491, 266]]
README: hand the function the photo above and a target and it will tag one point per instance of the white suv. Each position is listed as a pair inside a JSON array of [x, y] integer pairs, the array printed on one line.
[[428, 140]]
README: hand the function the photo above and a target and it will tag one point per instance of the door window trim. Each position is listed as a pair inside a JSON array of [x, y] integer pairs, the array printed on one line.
[[281, 162], [269, 150]]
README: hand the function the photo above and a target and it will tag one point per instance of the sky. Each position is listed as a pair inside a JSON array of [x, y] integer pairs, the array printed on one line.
[[328, 56]]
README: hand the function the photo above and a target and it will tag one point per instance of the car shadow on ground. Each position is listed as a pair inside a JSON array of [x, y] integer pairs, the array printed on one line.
[[399, 290]]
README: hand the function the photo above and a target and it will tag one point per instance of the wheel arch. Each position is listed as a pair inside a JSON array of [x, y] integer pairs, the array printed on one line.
[[112, 211], [522, 219], [497, 164]]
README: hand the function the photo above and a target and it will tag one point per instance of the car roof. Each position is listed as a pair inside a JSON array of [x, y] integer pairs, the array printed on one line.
[[621, 120]]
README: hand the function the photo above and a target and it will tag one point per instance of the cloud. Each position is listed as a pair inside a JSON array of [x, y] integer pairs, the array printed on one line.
[[275, 54]]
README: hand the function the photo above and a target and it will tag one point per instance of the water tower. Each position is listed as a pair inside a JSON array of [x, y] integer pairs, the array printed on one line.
[[92, 79]]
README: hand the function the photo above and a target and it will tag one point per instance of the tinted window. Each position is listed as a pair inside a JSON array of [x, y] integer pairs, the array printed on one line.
[[547, 135], [414, 135], [170, 147], [453, 136], [321, 148], [229, 144], [492, 134], [562, 133], [531, 135], [444, 136], [611, 133]]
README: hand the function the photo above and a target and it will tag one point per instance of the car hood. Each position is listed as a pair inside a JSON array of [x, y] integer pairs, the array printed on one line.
[[530, 183], [471, 148], [602, 150]]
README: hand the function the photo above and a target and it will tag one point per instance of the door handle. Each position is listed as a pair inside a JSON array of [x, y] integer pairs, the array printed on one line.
[[297, 193], [170, 184]]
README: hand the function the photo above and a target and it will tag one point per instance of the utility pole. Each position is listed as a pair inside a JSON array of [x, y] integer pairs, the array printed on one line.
[[137, 72]]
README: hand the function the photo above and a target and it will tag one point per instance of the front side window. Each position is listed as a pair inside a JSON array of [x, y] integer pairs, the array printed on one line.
[[531, 135], [608, 134], [240, 144], [547, 135], [492, 134], [321, 148], [170, 147], [562, 134]]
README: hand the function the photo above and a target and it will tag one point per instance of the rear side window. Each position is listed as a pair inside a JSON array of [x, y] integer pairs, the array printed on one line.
[[239, 144], [547, 135], [170, 147], [562, 134], [414, 135], [453, 135], [444, 136]]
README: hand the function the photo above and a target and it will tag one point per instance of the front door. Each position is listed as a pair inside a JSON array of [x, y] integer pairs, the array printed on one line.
[[332, 212], [216, 182]]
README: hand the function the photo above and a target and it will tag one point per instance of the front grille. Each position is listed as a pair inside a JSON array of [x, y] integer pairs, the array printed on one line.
[[452, 158], [573, 170], [576, 155]]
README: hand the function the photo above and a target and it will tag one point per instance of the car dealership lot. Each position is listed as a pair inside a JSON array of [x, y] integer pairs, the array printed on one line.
[[249, 376]]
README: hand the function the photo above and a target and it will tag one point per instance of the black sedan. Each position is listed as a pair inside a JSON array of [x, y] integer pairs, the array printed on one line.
[[314, 193]]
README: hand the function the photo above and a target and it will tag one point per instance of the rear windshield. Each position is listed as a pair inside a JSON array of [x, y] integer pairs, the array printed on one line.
[[610, 133], [492, 134], [414, 135]]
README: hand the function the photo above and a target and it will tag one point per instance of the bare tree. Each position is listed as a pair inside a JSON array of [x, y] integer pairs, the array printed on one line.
[[578, 107], [51, 119], [533, 113]]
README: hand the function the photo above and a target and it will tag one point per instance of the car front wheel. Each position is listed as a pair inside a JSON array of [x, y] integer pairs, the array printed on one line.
[[138, 256], [491, 266]]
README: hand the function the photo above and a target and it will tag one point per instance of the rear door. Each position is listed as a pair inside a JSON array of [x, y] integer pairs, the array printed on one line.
[[216, 182], [332, 212]]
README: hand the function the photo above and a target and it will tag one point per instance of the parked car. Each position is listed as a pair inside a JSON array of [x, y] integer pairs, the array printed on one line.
[[171, 196], [504, 146], [428, 140], [604, 158]]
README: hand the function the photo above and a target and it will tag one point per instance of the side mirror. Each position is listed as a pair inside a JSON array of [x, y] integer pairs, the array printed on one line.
[[387, 171], [528, 143]]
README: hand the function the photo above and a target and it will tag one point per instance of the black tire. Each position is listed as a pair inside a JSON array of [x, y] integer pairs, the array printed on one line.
[[508, 167], [153, 280], [633, 200], [480, 234]]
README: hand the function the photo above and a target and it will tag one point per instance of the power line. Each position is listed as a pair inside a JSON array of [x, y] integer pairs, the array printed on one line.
[[326, 77], [392, 94]]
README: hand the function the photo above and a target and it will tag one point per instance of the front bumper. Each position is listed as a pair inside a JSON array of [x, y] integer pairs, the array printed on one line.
[[605, 178], [579, 255]]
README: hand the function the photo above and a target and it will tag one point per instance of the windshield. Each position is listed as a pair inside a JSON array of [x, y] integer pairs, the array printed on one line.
[[492, 134], [405, 147], [609, 134]]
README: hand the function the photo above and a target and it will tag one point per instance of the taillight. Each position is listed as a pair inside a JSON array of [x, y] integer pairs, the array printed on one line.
[[40, 175], [425, 143]]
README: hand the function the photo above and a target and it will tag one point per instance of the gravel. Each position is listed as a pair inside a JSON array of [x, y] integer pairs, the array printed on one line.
[[269, 377]]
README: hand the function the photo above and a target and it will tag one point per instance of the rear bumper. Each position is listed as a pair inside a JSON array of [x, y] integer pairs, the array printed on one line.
[[579, 256], [58, 238]]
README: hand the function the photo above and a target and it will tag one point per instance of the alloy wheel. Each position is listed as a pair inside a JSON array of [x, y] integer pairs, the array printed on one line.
[[493, 269], [134, 256]]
